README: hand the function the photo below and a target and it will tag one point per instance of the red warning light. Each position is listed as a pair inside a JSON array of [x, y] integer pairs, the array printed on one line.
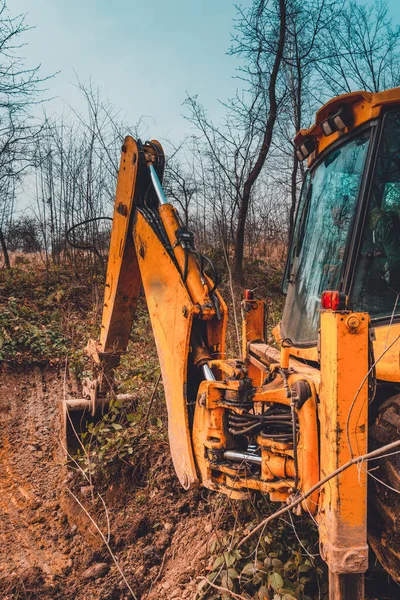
[[248, 295], [333, 300]]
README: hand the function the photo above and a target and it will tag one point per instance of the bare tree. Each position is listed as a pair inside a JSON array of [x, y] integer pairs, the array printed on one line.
[[20, 90], [241, 147], [308, 23], [180, 176], [360, 50], [77, 161]]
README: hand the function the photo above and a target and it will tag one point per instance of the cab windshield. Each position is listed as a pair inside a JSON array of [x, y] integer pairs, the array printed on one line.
[[325, 215]]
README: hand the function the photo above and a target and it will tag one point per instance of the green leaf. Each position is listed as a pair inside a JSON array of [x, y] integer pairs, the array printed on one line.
[[218, 562], [276, 581], [233, 574], [277, 563], [117, 426], [288, 586], [226, 581], [229, 559], [248, 569], [304, 568]]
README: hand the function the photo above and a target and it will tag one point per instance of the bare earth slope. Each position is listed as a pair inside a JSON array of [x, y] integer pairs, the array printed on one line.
[[47, 543]]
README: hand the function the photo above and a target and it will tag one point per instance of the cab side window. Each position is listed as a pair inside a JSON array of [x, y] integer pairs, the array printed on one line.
[[377, 274]]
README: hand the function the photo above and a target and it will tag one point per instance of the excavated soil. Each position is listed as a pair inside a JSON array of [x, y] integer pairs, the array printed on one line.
[[49, 547]]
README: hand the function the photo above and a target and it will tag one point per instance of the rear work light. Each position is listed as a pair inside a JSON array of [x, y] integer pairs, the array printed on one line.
[[333, 300], [304, 150], [337, 122]]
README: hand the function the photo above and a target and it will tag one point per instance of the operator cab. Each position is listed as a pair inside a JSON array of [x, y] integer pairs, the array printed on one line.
[[347, 230]]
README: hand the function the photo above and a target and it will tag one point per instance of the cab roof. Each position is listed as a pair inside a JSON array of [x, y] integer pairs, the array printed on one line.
[[363, 107]]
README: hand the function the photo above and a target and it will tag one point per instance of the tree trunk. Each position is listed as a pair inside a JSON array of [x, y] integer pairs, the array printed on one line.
[[5, 251], [293, 196], [263, 153]]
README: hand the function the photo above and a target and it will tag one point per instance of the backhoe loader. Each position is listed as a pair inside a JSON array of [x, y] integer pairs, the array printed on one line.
[[282, 416]]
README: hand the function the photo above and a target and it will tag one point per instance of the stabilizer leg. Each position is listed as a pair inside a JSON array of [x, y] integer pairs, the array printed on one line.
[[343, 414]]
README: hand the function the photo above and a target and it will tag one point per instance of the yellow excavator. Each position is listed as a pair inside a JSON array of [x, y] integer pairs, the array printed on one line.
[[280, 418]]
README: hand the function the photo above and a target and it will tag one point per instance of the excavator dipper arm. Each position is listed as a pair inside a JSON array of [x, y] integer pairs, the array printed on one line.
[[150, 247]]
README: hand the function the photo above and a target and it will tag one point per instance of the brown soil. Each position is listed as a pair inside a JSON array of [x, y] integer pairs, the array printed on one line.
[[158, 532]]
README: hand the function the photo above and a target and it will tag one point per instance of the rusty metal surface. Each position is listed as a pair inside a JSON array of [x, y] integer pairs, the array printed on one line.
[[123, 278], [343, 415], [166, 297], [267, 355], [346, 587], [277, 474]]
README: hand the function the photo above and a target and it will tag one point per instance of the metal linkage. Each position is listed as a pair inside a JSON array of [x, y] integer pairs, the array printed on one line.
[[85, 404]]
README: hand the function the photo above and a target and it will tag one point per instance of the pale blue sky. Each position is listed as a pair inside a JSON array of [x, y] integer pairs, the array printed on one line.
[[144, 55]]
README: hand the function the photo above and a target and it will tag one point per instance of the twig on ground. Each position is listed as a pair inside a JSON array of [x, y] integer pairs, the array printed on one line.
[[358, 459], [160, 570], [222, 589], [153, 395], [383, 483]]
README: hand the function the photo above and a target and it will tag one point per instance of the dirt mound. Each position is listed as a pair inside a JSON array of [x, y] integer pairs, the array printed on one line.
[[50, 547]]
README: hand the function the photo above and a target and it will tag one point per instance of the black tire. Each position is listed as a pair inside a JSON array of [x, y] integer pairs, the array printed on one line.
[[384, 504]]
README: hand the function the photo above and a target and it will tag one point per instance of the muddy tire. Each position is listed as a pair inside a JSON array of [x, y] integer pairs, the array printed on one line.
[[384, 504]]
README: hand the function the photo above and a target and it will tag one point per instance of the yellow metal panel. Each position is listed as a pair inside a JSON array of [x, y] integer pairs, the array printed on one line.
[[387, 346], [304, 353], [343, 414], [198, 290], [270, 356], [171, 314], [123, 278], [387, 367], [253, 329]]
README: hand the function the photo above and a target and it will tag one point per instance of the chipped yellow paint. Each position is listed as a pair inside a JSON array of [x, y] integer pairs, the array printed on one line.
[[343, 416]]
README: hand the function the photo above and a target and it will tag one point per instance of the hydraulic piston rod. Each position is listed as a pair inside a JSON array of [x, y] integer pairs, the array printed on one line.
[[236, 456], [208, 374], [157, 186]]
